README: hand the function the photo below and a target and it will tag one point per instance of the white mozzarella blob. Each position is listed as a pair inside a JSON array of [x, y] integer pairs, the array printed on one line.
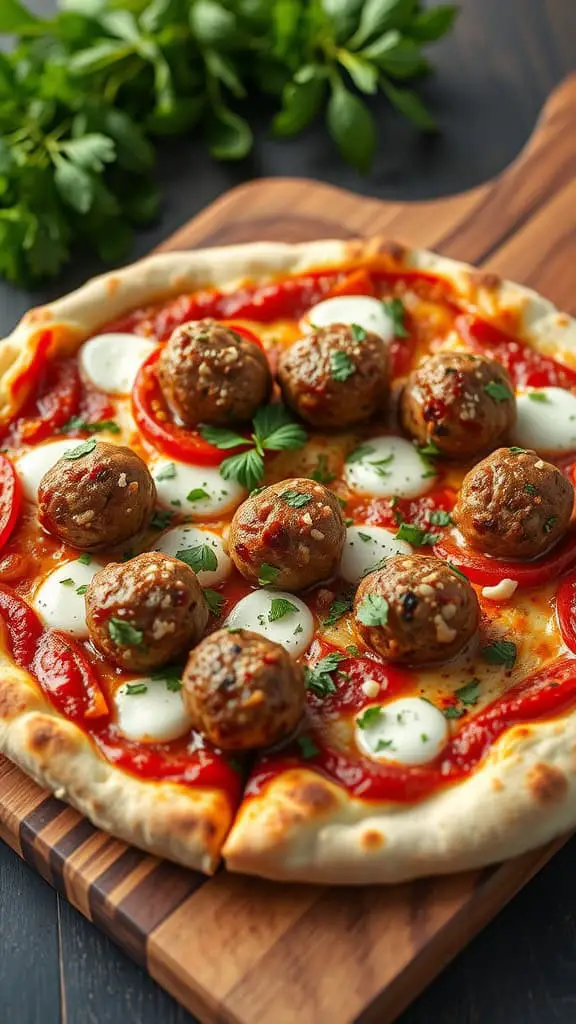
[[546, 421], [32, 465], [182, 538], [154, 714], [409, 730], [57, 600], [111, 361], [196, 491], [385, 467], [351, 309], [293, 630], [364, 547]]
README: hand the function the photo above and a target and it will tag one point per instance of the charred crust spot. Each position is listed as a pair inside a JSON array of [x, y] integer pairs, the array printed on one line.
[[490, 282], [394, 250], [14, 700], [372, 839], [315, 796], [49, 738], [547, 784]]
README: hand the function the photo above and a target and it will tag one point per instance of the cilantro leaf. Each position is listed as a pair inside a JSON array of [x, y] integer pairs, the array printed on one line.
[[197, 494], [161, 519]]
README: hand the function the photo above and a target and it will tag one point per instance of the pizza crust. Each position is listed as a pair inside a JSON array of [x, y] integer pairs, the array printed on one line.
[[302, 827]]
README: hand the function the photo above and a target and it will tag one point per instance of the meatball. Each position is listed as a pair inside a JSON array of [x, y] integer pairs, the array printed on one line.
[[289, 535], [462, 403], [96, 496], [336, 376], [146, 612], [514, 505], [416, 610], [241, 690], [211, 374]]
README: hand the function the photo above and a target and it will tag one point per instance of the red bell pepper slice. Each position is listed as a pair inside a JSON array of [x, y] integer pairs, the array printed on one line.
[[566, 611], [10, 499], [359, 282], [66, 676], [526, 366], [22, 625], [55, 401], [490, 571]]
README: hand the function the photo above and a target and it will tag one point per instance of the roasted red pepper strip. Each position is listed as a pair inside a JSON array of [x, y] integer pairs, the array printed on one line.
[[57, 400], [359, 282], [67, 678], [490, 571], [526, 366], [566, 611], [154, 420], [22, 625], [10, 499]]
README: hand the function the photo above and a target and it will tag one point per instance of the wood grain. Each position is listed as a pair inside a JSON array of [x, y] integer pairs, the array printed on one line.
[[237, 950]]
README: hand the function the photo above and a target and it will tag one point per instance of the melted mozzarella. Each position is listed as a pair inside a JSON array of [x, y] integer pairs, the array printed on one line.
[[156, 715], [409, 730], [548, 424], [388, 467], [57, 600], [181, 538], [351, 309], [364, 547], [294, 630], [32, 465], [196, 491], [111, 361]]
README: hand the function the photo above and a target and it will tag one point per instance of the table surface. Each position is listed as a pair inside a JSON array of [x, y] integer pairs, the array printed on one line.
[[493, 75]]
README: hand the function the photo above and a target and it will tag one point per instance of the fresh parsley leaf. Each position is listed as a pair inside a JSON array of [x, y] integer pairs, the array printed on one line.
[[133, 688], [514, 450], [200, 558], [318, 678], [68, 582], [364, 537], [501, 652], [453, 711], [307, 746], [296, 499], [82, 449], [469, 693], [538, 396], [383, 745], [76, 423], [197, 494], [81, 590], [247, 469], [341, 366], [267, 574], [370, 716], [429, 449], [338, 608], [394, 308], [322, 474], [161, 519], [498, 391], [85, 558], [214, 600], [124, 634], [360, 453], [358, 333], [530, 489], [279, 608], [440, 518], [286, 438], [416, 535], [171, 675], [221, 438], [168, 472], [550, 523], [373, 610]]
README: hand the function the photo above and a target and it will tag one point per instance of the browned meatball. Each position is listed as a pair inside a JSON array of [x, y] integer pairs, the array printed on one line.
[[96, 496], [514, 505], [242, 690], [416, 610], [146, 612], [290, 535], [462, 403], [211, 374], [336, 376]]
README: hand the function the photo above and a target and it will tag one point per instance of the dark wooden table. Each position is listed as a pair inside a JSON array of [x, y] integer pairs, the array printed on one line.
[[493, 75]]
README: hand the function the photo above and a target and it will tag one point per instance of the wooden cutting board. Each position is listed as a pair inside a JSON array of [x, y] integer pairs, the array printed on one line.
[[237, 950]]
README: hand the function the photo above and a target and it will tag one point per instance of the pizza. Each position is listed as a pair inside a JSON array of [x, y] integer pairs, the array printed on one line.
[[288, 560]]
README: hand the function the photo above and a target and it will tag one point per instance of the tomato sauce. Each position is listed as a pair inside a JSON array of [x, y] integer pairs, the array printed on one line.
[[78, 681]]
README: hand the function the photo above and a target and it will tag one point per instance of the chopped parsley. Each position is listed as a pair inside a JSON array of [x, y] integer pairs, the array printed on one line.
[[373, 610], [197, 494], [429, 449], [369, 717], [321, 474], [364, 537], [440, 518], [68, 582], [82, 449], [214, 600], [353, 651], [123, 634], [200, 558], [161, 519], [394, 308], [550, 523], [171, 675], [168, 472], [339, 606], [358, 332], [341, 366], [360, 453], [538, 396], [530, 489], [296, 499], [501, 652], [85, 559], [416, 535], [274, 430], [134, 688], [380, 463], [307, 746], [279, 608], [498, 391], [514, 450], [77, 423], [453, 711], [268, 574], [469, 693], [382, 745], [81, 590], [318, 678]]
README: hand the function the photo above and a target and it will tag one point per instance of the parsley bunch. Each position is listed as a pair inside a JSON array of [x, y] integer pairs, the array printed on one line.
[[274, 431], [85, 95]]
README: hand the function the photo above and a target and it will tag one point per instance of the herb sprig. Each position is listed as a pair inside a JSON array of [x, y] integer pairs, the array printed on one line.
[[274, 431]]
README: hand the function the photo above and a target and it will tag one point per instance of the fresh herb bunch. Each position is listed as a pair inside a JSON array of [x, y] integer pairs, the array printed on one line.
[[84, 93]]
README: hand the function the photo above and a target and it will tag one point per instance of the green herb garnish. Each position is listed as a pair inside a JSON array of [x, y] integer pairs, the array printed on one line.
[[395, 310], [200, 558], [501, 652], [124, 634], [267, 574], [82, 449], [279, 608], [373, 610], [341, 366], [274, 430]]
